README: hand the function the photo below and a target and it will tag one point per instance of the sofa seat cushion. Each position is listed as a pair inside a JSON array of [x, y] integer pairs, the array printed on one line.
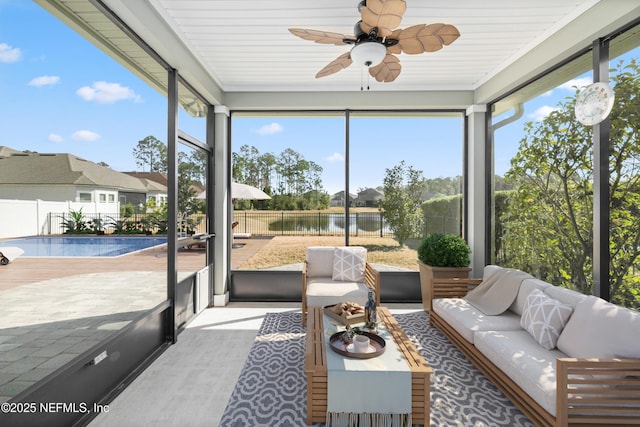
[[322, 291], [466, 319], [523, 360]]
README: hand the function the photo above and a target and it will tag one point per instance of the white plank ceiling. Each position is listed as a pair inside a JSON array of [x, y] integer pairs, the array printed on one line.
[[246, 46]]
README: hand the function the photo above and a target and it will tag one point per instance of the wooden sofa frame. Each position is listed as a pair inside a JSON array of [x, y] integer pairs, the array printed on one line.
[[371, 279], [589, 391]]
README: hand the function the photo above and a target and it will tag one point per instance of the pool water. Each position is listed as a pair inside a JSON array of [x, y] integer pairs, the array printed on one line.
[[104, 246]]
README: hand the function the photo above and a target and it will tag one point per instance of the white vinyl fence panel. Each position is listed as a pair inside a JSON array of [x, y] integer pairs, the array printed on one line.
[[21, 218]]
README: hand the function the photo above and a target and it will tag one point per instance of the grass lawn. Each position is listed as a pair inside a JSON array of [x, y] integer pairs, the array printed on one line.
[[282, 250]]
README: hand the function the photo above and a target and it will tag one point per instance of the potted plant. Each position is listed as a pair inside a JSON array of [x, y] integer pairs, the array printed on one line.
[[442, 256]]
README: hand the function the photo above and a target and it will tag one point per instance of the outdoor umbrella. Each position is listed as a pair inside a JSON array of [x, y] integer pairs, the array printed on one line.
[[243, 192], [247, 192]]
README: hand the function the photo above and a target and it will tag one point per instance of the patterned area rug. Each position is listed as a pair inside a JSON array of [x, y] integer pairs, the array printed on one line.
[[271, 389]]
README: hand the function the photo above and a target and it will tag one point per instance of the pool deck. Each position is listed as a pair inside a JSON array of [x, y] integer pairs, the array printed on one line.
[[26, 270], [57, 308]]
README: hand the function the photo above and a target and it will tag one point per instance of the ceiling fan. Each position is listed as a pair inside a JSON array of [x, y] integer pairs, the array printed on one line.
[[376, 39]]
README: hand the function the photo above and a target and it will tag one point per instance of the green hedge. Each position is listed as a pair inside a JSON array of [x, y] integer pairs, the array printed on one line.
[[443, 215]]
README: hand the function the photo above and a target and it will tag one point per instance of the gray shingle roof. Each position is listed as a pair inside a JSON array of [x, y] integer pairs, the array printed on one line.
[[62, 168], [7, 151]]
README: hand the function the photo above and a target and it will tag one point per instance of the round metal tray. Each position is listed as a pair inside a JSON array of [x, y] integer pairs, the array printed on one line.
[[340, 347]]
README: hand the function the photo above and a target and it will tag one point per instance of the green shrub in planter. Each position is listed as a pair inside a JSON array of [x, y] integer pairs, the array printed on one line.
[[444, 250]]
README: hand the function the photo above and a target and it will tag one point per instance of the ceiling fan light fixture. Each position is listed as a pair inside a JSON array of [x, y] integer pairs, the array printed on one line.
[[368, 53]]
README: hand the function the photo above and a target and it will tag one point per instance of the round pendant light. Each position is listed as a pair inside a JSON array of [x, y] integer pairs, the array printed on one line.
[[368, 53]]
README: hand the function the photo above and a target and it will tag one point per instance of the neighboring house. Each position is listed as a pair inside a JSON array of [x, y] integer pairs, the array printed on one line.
[[338, 199], [156, 183], [65, 177], [158, 177], [7, 151], [369, 198]]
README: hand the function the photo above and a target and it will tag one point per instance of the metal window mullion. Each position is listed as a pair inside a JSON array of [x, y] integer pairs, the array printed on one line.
[[601, 173], [347, 201], [172, 188]]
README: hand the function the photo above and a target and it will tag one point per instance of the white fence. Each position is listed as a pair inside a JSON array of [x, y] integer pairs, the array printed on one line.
[[20, 218]]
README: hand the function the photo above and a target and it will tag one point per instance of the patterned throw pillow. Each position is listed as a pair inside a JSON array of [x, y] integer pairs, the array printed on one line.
[[544, 318], [349, 263]]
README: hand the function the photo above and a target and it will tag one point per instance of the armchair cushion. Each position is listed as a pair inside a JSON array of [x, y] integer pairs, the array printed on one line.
[[323, 291], [320, 261], [349, 263]]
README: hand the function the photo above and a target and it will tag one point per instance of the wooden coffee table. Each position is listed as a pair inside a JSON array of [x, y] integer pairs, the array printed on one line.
[[315, 366]]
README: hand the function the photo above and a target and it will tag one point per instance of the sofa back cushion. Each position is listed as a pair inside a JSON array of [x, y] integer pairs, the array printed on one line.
[[320, 261], [564, 295], [526, 288], [490, 270], [598, 328]]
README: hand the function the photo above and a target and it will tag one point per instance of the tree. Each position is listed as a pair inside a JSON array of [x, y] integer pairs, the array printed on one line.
[[189, 184], [151, 152], [401, 207], [548, 217], [291, 180]]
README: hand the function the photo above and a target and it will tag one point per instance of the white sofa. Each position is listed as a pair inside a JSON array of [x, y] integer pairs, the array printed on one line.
[[326, 280], [592, 372]]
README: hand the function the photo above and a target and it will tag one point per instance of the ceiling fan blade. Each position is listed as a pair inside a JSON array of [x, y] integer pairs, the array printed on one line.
[[387, 70], [338, 64], [323, 37], [381, 14], [423, 38]]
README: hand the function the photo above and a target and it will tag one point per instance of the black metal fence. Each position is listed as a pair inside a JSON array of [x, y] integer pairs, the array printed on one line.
[[140, 223], [295, 223], [258, 223]]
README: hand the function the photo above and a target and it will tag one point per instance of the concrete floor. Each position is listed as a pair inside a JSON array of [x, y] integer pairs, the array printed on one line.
[[192, 381]]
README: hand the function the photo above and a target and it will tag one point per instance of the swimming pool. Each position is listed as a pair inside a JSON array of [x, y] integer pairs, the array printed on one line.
[[104, 246]]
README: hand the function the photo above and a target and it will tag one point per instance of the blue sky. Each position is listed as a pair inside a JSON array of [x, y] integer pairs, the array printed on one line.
[[60, 94]]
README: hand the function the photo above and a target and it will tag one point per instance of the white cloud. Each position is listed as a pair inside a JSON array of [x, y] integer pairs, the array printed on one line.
[[579, 83], [85, 135], [270, 129], [53, 137], [542, 112], [107, 93], [335, 157], [44, 81], [9, 54]]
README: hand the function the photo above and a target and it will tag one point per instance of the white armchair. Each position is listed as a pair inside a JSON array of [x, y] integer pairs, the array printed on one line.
[[333, 274]]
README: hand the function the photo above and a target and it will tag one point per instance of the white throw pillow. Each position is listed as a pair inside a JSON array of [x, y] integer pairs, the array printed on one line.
[[349, 263], [544, 318]]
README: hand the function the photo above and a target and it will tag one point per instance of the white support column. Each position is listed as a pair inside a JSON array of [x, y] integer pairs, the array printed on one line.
[[476, 191], [221, 200]]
